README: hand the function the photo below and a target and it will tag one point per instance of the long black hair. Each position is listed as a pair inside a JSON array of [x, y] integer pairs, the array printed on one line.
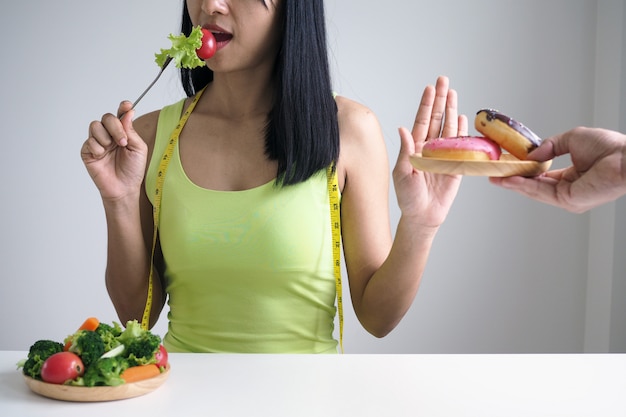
[[302, 132]]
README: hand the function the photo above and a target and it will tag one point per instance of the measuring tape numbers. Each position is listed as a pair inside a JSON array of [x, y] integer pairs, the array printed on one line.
[[335, 223]]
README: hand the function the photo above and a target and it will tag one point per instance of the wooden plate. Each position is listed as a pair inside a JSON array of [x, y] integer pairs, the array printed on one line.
[[96, 394], [506, 166]]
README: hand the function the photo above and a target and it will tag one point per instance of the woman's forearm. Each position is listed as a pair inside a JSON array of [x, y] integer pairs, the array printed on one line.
[[392, 288], [128, 260]]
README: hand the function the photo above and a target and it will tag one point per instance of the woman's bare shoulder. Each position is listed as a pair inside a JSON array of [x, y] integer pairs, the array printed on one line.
[[355, 116], [359, 128], [363, 150]]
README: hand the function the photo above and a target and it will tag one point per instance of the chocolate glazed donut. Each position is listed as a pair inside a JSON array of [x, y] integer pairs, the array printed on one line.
[[510, 134]]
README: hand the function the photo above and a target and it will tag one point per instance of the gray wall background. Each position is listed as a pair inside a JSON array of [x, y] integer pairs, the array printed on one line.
[[506, 274]]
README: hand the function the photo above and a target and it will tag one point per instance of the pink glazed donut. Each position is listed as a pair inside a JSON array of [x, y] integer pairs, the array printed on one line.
[[470, 148]]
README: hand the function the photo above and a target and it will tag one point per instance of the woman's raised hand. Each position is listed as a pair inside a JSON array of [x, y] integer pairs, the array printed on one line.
[[425, 196], [114, 155]]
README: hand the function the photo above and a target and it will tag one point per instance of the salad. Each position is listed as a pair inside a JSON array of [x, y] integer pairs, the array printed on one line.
[[97, 354], [188, 52]]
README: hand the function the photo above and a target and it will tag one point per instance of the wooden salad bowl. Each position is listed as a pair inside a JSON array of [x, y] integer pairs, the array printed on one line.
[[96, 394]]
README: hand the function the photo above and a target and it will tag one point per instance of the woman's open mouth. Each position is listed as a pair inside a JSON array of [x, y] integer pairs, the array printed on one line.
[[221, 38]]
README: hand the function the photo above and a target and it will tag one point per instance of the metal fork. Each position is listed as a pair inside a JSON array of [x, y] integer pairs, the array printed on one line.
[[165, 64]]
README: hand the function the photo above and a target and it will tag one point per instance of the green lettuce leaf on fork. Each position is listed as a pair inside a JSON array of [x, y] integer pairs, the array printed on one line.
[[183, 50]]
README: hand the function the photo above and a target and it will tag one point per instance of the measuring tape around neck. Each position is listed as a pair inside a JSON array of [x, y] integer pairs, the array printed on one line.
[[335, 218], [163, 164]]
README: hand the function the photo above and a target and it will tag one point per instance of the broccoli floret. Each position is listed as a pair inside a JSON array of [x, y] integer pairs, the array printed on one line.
[[45, 348], [109, 335], [88, 345], [105, 371], [132, 331], [37, 354], [142, 350], [141, 345]]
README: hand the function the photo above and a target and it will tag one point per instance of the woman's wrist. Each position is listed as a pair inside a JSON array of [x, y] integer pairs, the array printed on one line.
[[417, 228], [122, 205]]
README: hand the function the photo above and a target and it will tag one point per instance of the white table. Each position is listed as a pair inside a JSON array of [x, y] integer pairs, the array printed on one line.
[[355, 386]]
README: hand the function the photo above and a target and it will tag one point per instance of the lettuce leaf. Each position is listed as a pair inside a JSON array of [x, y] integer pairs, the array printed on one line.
[[183, 50]]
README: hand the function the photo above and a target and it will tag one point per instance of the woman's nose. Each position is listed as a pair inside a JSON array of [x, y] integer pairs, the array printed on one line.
[[212, 7]]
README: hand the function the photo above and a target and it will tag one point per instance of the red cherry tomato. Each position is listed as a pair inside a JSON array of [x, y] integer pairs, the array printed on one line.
[[161, 357], [209, 46], [61, 367]]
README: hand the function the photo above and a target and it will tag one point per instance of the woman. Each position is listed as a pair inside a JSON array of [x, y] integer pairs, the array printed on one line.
[[244, 251]]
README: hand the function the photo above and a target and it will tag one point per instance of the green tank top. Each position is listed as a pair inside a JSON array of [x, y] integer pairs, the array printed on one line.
[[246, 271]]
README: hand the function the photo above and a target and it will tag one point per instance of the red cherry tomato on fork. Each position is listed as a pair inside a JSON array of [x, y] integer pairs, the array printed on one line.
[[209, 45], [61, 367]]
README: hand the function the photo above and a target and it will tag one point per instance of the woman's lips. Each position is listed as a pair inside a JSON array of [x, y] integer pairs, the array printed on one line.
[[222, 38]]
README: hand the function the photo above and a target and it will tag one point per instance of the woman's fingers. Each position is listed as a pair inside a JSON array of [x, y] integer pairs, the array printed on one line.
[[451, 123], [115, 129], [421, 124], [438, 114], [108, 132], [439, 107], [407, 144]]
